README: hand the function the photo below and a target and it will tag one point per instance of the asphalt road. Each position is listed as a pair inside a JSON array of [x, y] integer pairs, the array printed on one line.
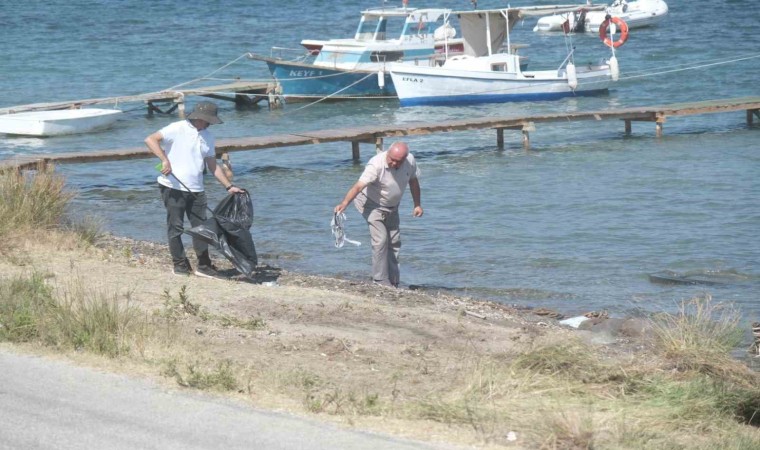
[[46, 404]]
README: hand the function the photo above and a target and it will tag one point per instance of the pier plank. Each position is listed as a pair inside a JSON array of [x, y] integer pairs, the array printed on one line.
[[375, 133]]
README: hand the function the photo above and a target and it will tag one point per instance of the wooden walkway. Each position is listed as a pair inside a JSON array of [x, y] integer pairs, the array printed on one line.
[[240, 92], [375, 134]]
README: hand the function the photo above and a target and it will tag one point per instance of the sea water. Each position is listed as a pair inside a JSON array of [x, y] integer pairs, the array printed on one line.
[[575, 224]]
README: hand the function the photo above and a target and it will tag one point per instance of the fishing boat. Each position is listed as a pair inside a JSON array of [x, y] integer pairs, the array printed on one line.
[[58, 122], [636, 14], [358, 67], [490, 72]]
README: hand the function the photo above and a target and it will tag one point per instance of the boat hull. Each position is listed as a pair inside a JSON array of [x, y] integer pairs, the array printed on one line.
[[437, 86], [299, 81], [58, 123]]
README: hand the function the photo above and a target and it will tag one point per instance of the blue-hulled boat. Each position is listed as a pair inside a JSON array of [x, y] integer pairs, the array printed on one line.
[[337, 69]]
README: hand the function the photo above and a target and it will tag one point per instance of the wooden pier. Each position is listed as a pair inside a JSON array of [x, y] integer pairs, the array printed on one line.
[[375, 134], [240, 92]]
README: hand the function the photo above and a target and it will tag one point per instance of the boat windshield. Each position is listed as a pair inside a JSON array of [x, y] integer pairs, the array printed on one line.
[[374, 28], [367, 29]]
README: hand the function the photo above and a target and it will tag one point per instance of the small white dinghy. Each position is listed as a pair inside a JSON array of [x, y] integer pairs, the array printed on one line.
[[57, 123], [636, 14]]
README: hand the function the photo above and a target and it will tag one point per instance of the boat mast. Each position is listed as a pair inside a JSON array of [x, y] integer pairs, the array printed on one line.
[[488, 34], [509, 42], [446, 15]]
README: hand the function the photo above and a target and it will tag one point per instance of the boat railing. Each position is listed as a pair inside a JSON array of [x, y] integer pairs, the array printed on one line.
[[292, 54], [435, 60]]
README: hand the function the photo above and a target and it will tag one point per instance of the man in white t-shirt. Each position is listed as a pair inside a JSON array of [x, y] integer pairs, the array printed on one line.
[[377, 195], [187, 147]]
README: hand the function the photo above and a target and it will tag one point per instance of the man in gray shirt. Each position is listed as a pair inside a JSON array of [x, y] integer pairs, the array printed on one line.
[[377, 195]]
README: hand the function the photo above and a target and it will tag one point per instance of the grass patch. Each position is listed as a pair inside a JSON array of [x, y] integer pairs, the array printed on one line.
[[87, 230], [26, 304], [250, 324], [567, 359], [700, 336], [76, 318], [32, 200], [178, 307], [219, 376]]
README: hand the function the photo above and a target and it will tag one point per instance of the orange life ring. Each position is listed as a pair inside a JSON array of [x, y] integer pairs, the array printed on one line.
[[623, 31]]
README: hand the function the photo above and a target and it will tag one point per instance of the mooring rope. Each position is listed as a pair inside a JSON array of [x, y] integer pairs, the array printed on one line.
[[694, 67], [206, 76], [331, 95]]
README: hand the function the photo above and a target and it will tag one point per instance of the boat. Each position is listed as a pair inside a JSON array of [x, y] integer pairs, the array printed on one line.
[[358, 67], [636, 14], [490, 72], [57, 122]]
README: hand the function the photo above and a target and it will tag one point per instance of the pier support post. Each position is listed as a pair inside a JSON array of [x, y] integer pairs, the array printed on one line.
[[500, 138], [627, 127], [379, 144], [179, 101], [658, 125], [355, 154], [526, 129], [750, 113]]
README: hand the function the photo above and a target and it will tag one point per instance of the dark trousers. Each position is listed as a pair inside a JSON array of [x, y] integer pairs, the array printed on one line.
[[178, 205]]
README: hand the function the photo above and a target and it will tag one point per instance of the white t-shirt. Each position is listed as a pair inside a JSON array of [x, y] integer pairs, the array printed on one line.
[[186, 148], [385, 185]]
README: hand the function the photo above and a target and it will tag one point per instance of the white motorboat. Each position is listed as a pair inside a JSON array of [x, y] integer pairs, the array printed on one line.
[[636, 14], [58, 122], [484, 74]]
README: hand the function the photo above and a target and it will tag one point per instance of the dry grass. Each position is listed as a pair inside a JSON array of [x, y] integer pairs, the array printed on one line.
[[32, 200], [73, 318]]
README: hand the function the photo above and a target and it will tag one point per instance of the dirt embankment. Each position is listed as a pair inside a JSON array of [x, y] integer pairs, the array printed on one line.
[[312, 344]]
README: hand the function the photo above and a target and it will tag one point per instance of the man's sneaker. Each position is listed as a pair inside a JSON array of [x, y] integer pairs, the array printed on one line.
[[207, 272], [183, 269]]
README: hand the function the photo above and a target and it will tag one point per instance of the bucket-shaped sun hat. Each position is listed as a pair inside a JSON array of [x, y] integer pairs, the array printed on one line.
[[205, 111]]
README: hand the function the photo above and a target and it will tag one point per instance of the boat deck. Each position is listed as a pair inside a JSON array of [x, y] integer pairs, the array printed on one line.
[[375, 134]]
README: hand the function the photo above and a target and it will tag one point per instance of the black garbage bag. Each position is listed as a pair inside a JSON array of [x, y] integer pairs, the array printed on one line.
[[228, 231]]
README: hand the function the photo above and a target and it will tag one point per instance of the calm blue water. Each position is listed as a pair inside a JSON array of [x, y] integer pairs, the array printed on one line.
[[576, 224]]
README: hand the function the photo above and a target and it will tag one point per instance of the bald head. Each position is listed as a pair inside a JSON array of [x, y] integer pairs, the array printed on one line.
[[399, 150], [397, 154]]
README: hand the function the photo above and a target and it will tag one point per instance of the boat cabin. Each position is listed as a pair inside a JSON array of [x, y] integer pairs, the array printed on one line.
[[383, 35]]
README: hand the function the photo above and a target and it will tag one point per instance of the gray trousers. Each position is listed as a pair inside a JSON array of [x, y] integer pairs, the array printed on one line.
[[178, 204], [385, 235]]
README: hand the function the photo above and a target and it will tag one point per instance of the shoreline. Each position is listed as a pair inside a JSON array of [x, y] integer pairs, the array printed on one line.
[[598, 327], [157, 253]]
